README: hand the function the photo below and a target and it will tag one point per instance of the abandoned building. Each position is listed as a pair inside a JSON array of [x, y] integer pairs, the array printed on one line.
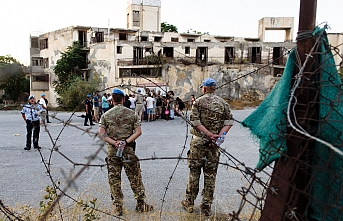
[[175, 61]]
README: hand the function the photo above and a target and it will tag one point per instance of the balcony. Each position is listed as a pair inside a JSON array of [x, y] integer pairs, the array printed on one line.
[[148, 60]]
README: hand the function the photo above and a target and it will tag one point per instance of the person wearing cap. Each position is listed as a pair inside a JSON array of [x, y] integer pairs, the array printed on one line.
[[88, 109], [122, 126], [139, 104], [210, 118], [31, 114], [44, 115]]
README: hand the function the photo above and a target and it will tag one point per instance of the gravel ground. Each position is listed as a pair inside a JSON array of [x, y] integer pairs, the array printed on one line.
[[24, 176]]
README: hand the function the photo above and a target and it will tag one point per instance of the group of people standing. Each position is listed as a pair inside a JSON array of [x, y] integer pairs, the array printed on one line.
[[154, 106], [120, 127]]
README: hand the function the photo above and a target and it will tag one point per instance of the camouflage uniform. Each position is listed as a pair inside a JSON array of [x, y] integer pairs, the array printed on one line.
[[120, 122], [213, 113]]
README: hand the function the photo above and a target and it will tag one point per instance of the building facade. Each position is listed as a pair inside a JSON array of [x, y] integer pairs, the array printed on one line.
[[175, 61]]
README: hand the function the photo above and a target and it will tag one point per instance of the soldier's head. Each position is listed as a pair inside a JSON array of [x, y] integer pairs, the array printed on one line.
[[118, 96], [42, 95], [208, 85], [89, 96]]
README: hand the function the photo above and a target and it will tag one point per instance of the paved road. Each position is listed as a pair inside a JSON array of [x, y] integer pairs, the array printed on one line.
[[24, 177]]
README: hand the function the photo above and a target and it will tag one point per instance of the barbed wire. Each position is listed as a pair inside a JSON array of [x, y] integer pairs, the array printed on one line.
[[249, 194]]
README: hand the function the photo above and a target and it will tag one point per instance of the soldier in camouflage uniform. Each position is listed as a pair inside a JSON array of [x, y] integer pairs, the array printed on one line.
[[211, 117], [120, 124]]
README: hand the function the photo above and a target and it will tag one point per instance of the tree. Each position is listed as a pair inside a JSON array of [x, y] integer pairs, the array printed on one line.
[[72, 98], [165, 27], [12, 78], [67, 67]]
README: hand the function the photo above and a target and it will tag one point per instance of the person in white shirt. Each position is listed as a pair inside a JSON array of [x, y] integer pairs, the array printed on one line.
[[43, 105], [132, 99], [150, 105]]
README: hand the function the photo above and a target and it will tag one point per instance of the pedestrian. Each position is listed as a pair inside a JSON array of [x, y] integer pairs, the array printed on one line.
[[117, 126], [31, 114], [47, 109], [158, 105], [88, 109], [96, 106], [139, 104], [180, 106], [43, 105], [210, 118], [109, 101], [149, 107], [127, 102], [132, 99], [171, 105], [104, 103]]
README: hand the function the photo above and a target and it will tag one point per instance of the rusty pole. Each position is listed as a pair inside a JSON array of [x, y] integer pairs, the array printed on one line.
[[290, 178]]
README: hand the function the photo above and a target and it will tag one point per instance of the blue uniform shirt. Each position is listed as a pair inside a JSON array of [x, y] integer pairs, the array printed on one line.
[[32, 111]]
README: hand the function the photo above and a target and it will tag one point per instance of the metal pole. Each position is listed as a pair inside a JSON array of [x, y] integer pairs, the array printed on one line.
[[290, 178]]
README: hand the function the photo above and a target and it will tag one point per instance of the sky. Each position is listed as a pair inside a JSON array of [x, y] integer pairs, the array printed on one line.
[[21, 18]]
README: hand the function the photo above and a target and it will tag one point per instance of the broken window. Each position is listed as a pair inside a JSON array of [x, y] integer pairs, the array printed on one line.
[[168, 52], [144, 38], [278, 56], [135, 18], [255, 55], [83, 38], [42, 78], [190, 40], [187, 50], [99, 36], [148, 50], [157, 39], [34, 42], [122, 37], [174, 39], [37, 62], [119, 49], [134, 72], [207, 40], [137, 55], [46, 62], [201, 56], [229, 55], [43, 43]]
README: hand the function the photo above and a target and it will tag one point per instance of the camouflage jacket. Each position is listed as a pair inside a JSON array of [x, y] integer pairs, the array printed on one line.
[[119, 122], [212, 112]]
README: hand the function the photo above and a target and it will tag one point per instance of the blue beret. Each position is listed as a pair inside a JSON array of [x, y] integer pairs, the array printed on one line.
[[117, 91], [208, 82], [88, 95], [139, 90], [31, 96], [42, 95]]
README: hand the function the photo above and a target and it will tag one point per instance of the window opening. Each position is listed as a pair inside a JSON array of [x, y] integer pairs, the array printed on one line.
[[168, 52], [229, 55], [187, 50]]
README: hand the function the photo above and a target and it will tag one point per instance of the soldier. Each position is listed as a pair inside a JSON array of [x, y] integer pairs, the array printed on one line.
[[121, 125], [211, 117], [88, 108], [31, 114]]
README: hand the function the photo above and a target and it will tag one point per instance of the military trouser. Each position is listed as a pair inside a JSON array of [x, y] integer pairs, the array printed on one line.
[[201, 156], [132, 170], [139, 110]]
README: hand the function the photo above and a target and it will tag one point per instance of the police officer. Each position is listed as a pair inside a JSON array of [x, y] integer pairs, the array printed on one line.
[[211, 117], [121, 125], [31, 115], [88, 109]]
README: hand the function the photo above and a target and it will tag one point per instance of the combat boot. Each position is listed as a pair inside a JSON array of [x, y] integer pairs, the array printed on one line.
[[141, 206], [187, 206], [205, 209]]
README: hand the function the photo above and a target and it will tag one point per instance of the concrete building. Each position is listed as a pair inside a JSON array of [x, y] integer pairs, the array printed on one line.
[[176, 61]]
